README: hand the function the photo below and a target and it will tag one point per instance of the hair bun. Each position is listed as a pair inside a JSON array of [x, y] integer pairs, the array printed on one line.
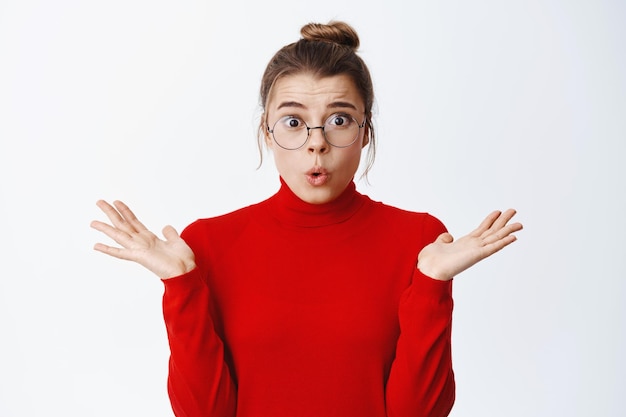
[[334, 32]]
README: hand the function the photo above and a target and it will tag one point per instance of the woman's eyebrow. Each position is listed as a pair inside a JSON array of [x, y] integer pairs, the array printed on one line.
[[291, 104], [341, 104], [333, 105]]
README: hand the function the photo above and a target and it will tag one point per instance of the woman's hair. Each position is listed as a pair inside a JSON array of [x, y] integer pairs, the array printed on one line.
[[323, 51]]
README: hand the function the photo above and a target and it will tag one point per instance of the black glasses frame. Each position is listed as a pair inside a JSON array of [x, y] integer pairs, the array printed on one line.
[[308, 133]]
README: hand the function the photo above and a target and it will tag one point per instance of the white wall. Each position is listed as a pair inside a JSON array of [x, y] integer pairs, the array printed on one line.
[[481, 105]]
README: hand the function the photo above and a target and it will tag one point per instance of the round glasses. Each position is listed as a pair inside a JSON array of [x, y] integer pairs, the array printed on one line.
[[340, 130]]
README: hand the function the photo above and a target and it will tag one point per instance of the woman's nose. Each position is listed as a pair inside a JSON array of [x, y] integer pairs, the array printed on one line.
[[317, 140]]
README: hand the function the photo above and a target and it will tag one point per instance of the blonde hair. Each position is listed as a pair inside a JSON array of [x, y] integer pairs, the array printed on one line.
[[323, 51]]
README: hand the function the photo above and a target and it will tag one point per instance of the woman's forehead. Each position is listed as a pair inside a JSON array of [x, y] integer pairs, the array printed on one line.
[[306, 90]]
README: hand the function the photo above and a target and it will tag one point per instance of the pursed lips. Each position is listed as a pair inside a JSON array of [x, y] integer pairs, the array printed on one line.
[[317, 176]]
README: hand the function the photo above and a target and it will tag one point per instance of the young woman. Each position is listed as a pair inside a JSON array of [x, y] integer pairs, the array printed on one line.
[[317, 301]]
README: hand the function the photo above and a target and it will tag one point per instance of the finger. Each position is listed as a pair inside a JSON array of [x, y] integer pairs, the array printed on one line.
[[170, 233], [502, 233], [503, 219], [114, 216], [486, 224], [119, 236], [498, 245], [112, 251], [444, 238], [129, 216]]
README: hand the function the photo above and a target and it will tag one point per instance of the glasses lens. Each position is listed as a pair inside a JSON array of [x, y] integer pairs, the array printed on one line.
[[341, 130], [290, 132]]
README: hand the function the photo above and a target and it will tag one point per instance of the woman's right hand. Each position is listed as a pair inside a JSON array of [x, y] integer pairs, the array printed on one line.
[[166, 258]]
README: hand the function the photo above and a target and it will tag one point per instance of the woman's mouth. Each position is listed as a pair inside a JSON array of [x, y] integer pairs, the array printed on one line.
[[317, 176]]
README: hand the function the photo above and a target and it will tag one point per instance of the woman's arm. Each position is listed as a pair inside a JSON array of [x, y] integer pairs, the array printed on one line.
[[421, 381], [199, 381]]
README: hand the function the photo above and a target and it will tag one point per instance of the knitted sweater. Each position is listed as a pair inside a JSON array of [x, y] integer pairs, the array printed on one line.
[[298, 310]]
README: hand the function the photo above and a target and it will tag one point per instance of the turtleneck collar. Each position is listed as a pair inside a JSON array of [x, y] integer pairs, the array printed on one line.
[[289, 209]]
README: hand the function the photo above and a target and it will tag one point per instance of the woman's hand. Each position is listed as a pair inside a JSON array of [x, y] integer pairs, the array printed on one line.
[[166, 258], [445, 258]]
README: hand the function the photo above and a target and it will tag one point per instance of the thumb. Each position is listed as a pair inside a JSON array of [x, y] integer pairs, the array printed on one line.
[[444, 238], [170, 233]]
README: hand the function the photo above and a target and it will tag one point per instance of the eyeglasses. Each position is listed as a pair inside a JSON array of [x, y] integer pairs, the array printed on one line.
[[340, 130]]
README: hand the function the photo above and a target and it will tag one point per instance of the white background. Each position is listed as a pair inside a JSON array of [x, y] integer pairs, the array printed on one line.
[[481, 105]]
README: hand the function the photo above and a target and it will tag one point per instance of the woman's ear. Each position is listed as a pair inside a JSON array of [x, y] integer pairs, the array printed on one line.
[[266, 134], [366, 135]]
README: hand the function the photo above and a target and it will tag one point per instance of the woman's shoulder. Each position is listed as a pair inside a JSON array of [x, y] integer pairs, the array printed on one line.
[[400, 218], [225, 224]]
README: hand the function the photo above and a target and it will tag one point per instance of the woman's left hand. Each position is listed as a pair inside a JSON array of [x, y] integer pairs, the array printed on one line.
[[445, 257]]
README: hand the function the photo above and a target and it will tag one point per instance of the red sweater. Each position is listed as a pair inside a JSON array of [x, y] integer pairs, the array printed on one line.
[[299, 310]]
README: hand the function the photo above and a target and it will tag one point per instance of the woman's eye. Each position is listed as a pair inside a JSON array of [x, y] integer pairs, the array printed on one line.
[[340, 120], [292, 122]]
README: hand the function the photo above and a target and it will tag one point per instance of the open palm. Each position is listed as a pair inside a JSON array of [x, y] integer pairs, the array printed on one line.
[[445, 257], [166, 258]]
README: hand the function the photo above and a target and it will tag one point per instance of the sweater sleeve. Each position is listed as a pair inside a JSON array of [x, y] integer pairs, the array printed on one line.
[[199, 380], [421, 380]]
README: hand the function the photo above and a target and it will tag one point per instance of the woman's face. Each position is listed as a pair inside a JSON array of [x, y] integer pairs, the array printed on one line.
[[316, 172]]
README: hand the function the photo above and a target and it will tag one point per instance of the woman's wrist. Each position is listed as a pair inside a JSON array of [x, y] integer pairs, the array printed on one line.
[[184, 267], [433, 272]]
